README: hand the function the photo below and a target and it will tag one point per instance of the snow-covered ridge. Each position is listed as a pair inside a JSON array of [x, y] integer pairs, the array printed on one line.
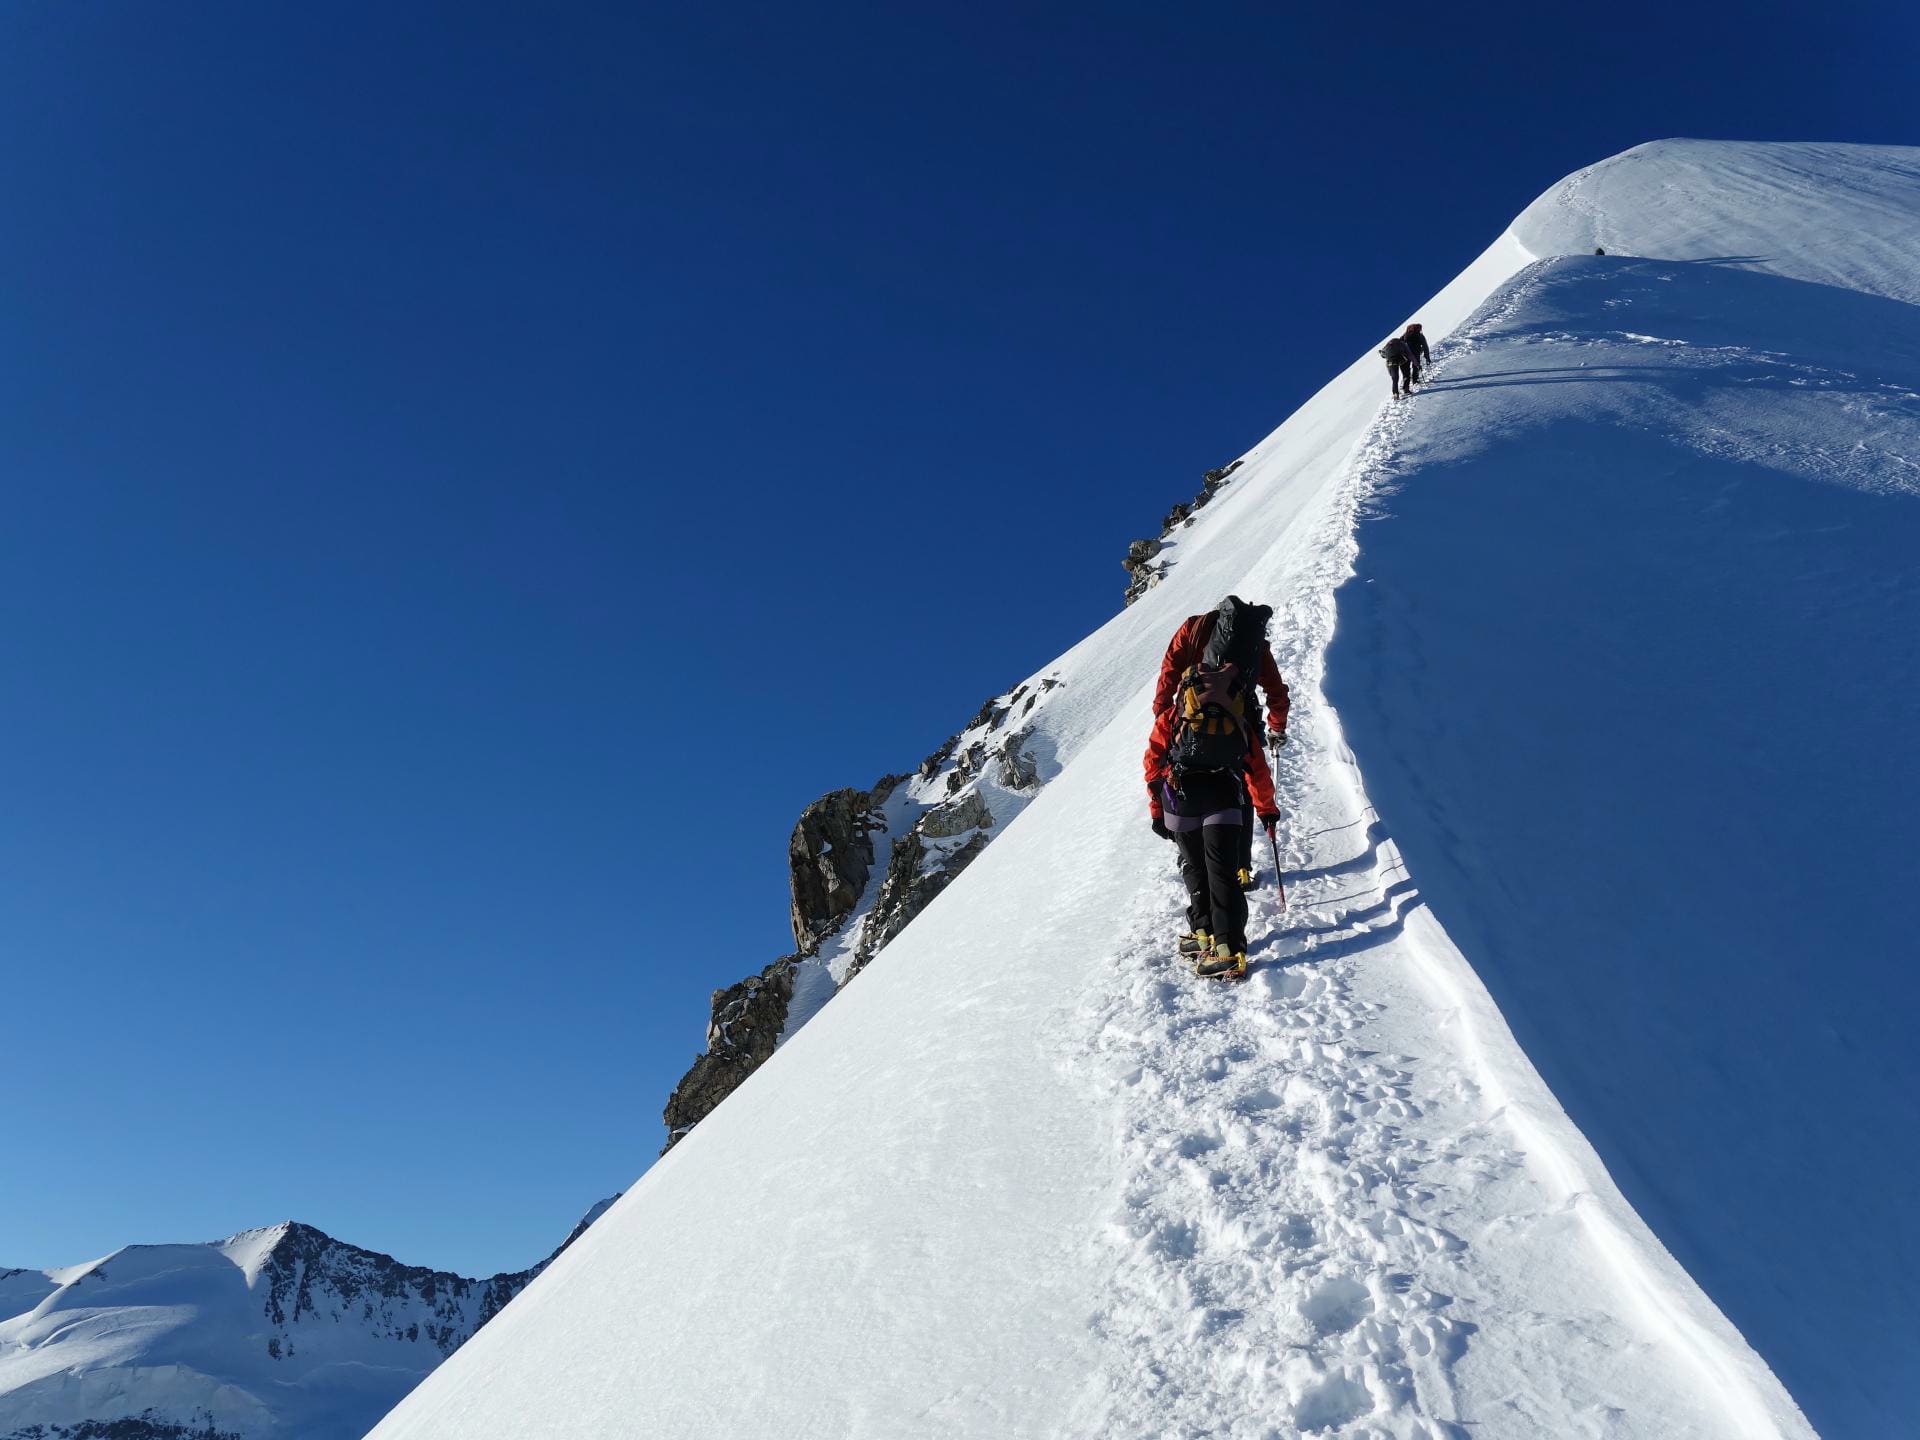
[[271, 1331], [1026, 1177]]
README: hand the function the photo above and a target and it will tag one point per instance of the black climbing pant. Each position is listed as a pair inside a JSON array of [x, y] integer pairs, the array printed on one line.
[[1210, 865], [1401, 374]]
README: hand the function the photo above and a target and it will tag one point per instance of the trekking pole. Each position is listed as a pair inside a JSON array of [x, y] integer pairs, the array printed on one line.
[[1273, 841], [1279, 887]]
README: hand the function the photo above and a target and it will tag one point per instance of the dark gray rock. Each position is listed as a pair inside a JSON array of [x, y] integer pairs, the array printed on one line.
[[967, 766], [1144, 580], [956, 817], [829, 859], [1017, 769], [930, 766], [746, 1022], [989, 714]]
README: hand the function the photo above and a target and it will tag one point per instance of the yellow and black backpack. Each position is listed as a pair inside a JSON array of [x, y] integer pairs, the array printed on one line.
[[1212, 730]]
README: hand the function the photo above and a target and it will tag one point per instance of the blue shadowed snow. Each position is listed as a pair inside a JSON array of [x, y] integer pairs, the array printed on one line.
[[1631, 663]]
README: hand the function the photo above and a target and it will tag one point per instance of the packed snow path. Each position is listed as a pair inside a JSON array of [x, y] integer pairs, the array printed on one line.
[[1319, 1198], [1028, 1177]]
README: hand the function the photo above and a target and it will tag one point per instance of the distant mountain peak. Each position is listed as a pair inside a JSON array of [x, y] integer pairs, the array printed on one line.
[[278, 1329]]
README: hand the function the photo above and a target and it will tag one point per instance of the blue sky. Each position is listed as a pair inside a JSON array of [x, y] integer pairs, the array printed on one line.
[[400, 404]]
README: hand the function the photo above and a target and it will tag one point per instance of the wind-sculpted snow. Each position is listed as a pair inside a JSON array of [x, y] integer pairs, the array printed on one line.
[[1840, 215], [1028, 1177], [1632, 665]]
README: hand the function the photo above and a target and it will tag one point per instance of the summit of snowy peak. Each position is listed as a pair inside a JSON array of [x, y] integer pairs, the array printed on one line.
[[1833, 214], [250, 1249]]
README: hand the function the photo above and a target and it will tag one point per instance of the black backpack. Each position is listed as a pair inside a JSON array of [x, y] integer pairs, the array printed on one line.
[[1396, 352], [1238, 636]]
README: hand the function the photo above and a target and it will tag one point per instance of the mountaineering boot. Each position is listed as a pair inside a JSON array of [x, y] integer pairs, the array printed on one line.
[[1195, 943], [1222, 964]]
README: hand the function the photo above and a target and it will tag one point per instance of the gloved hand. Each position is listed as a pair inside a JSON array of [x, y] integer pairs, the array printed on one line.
[[1267, 822], [1278, 739], [1160, 828]]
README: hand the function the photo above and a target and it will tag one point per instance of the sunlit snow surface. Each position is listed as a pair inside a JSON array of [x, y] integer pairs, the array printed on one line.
[[1027, 1177]]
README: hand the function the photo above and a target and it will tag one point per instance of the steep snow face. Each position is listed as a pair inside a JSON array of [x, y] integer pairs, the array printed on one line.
[[271, 1332], [1026, 1176], [1632, 666]]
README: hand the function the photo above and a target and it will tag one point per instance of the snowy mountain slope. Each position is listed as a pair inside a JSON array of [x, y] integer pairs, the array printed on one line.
[[1632, 664], [271, 1332], [1026, 1177]]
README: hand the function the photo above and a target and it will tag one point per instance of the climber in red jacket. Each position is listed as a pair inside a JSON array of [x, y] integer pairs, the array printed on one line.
[[1189, 646], [1206, 769]]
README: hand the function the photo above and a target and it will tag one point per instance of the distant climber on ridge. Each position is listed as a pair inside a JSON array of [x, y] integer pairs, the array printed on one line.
[[1399, 357], [1206, 770], [1417, 352]]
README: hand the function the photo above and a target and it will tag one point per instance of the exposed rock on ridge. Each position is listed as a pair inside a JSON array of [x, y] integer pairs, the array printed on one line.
[[1142, 573], [941, 844], [841, 919], [829, 859], [747, 1022]]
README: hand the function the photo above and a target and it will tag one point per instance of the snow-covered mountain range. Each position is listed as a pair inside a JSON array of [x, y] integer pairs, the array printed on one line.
[[1600, 589], [281, 1331]]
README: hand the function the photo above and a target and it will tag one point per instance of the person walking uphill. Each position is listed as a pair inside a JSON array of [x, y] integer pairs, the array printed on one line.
[[1399, 357], [1417, 352], [1206, 770], [1238, 632]]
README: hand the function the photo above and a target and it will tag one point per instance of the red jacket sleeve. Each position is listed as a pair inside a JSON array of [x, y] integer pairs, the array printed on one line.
[[1182, 651], [1278, 700], [1155, 761], [1260, 781]]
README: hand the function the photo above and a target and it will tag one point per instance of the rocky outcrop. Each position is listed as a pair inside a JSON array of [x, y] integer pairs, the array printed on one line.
[[830, 858], [1017, 770], [1142, 573], [925, 860], [746, 1025], [831, 865]]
